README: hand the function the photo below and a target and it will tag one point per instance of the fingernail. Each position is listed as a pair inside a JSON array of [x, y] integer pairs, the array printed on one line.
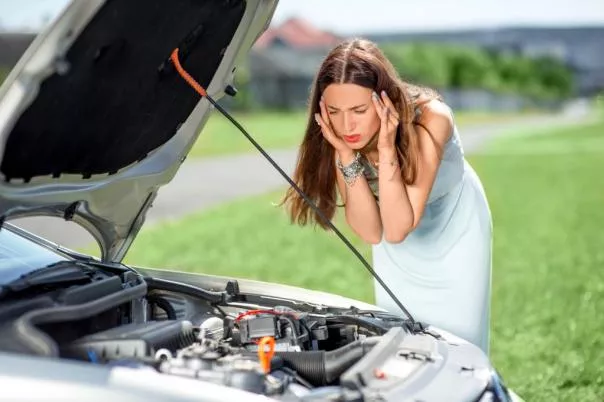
[[383, 93], [317, 119], [375, 95]]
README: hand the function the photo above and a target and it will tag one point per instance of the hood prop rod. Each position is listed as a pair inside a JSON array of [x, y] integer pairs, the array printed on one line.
[[415, 326]]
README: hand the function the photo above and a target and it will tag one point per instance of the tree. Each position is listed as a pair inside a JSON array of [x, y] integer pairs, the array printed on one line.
[[464, 67], [420, 63], [472, 68], [555, 79]]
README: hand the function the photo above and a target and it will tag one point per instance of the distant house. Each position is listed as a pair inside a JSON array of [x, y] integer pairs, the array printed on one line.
[[298, 34], [284, 61]]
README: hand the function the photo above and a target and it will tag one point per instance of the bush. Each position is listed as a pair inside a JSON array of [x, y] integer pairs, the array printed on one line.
[[465, 67]]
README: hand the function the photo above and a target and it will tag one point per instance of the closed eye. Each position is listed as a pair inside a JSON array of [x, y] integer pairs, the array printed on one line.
[[357, 111]]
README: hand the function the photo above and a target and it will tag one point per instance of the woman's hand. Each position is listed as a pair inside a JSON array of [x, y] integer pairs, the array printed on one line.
[[389, 118], [344, 151]]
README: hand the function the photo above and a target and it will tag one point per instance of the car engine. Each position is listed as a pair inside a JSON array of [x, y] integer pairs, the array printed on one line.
[[277, 351], [112, 316]]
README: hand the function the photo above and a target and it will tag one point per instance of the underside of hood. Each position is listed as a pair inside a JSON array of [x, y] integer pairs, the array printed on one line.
[[95, 118]]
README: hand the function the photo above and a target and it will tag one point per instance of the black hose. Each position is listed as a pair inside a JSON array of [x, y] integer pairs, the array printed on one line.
[[365, 322], [171, 286], [322, 368], [164, 305], [33, 340]]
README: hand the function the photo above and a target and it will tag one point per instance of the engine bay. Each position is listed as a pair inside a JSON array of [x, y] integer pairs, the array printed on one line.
[[271, 352], [114, 317]]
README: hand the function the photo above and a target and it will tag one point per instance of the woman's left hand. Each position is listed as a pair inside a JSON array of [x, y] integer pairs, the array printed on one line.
[[389, 117]]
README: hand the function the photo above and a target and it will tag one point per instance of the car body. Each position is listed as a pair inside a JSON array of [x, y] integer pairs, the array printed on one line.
[[94, 119]]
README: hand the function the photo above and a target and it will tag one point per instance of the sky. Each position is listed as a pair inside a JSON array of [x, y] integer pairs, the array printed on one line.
[[369, 16]]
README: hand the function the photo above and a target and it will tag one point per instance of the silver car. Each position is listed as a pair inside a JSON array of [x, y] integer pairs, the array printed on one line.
[[97, 115]]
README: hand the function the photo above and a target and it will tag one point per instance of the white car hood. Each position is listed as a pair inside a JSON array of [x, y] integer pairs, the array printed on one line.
[[94, 119]]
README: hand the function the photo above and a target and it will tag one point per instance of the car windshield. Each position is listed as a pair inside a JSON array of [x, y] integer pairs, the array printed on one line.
[[19, 256]]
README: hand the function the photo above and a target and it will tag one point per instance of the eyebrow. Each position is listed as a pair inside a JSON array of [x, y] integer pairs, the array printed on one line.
[[351, 108]]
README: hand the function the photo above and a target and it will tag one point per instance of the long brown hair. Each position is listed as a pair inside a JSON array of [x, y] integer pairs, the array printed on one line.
[[360, 62]]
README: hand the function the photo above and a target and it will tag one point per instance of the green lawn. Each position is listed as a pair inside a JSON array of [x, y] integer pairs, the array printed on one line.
[[278, 130], [272, 130], [548, 285]]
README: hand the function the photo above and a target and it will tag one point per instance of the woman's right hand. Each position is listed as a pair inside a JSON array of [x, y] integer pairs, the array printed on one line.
[[343, 150]]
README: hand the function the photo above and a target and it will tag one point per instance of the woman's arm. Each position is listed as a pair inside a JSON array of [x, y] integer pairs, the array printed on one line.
[[361, 209], [396, 211], [402, 206]]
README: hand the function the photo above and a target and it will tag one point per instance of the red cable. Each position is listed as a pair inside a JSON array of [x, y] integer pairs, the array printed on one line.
[[190, 80]]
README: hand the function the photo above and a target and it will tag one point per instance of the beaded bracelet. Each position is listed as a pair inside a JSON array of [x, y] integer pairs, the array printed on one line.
[[353, 170]]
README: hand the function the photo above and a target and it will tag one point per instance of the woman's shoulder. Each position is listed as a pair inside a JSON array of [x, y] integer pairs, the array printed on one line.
[[432, 107], [435, 116]]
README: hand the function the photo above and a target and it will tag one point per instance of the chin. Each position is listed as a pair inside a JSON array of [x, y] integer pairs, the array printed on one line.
[[356, 145]]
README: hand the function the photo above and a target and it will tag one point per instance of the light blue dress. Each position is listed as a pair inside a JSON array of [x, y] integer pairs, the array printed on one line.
[[442, 271]]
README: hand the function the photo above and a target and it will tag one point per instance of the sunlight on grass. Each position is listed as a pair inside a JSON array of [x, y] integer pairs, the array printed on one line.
[[548, 281], [252, 238], [587, 138], [272, 130], [548, 285]]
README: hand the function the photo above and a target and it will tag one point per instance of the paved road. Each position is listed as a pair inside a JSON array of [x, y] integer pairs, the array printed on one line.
[[202, 183]]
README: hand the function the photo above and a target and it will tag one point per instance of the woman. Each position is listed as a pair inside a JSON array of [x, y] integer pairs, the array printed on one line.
[[392, 152]]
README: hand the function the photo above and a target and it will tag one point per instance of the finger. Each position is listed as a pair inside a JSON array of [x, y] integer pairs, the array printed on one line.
[[378, 100], [393, 120], [326, 130], [390, 118], [388, 103], [323, 126], [384, 119], [323, 109], [325, 117], [387, 114], [321, 122], [379, 107]]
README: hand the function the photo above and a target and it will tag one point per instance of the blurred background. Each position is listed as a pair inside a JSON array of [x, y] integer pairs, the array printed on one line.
[[526, 80]]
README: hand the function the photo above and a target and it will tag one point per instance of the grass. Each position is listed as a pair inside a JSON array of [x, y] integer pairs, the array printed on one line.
[[548, 260], [548, 284], [273, 130], [279, 130], [587, 138], [252, 238]]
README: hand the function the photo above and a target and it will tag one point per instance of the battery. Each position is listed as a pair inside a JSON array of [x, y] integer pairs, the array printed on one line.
[[259, 327]]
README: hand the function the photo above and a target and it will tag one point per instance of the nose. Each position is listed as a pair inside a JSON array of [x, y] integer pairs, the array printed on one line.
[[349, 123]]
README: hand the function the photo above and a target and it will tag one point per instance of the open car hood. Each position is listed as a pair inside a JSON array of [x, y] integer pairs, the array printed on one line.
[[94, 118]]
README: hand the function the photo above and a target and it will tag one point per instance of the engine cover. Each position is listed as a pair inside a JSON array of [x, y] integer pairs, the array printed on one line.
[[132, 341]]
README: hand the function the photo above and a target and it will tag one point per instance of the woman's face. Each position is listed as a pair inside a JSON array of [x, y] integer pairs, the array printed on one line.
[[351, 113]]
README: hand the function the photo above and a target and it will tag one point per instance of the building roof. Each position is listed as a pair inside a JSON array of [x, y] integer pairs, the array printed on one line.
[[298, 34], [286, 62]]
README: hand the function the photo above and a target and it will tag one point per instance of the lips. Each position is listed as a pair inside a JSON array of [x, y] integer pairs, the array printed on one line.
[[352, 138]]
